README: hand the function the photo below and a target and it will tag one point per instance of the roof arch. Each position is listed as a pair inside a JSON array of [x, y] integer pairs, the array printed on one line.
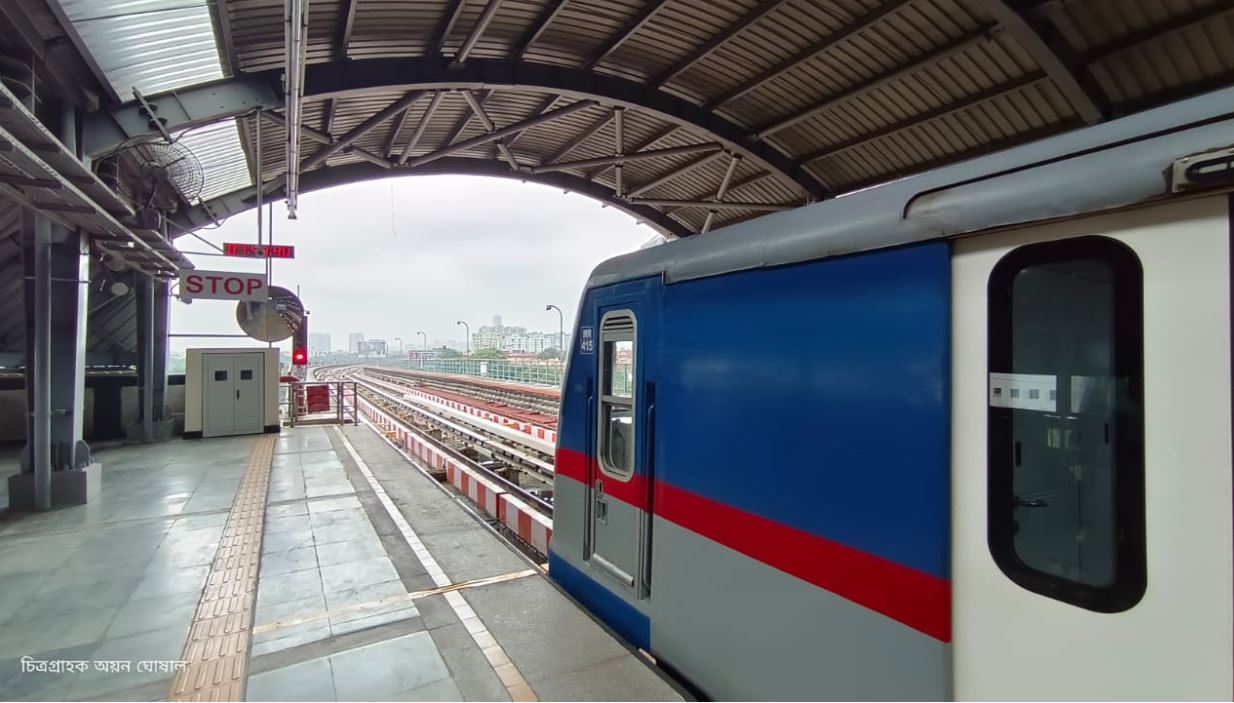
[[708, 111], [320, 179]]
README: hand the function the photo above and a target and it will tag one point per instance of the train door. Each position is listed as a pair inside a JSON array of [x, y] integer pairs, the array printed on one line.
[[1091, 458], [618, 483]]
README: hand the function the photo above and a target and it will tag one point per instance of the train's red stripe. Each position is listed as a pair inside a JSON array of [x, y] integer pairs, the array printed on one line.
[[917, 599], [574, 465]]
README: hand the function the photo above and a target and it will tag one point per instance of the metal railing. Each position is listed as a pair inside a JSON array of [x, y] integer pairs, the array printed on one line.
[[549, 374], [293, 397]]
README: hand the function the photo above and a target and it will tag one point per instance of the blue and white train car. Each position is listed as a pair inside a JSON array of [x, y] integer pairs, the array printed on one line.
[[965, 435]]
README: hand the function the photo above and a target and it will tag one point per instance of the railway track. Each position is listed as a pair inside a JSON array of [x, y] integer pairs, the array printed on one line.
[[545, 401], [510, 487], [494, 448]]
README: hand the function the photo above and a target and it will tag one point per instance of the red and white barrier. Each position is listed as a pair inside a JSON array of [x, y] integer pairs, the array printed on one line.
[[544, 433], [531, 527], [529, 524]]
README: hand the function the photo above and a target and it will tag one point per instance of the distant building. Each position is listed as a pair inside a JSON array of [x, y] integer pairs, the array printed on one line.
[[319, 343], [373, 347], [354, 341], [513, 339], [489, 337]]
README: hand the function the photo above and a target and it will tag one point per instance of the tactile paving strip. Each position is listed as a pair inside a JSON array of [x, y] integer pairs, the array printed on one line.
[[218, 645]]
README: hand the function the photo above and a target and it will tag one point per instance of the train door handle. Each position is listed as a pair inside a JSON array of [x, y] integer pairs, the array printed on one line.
[[237, 394]]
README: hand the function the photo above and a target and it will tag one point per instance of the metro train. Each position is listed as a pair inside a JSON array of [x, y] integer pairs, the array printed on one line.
[[966, 435]]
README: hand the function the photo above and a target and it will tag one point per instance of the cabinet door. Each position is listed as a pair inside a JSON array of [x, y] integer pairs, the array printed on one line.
[[218, 395], [249, 393]]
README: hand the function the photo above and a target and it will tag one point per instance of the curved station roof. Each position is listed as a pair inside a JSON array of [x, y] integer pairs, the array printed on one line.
[[689, 114]]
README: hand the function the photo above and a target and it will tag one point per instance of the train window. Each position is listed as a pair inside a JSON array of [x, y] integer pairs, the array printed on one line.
[[617, 347], [1066, 422]]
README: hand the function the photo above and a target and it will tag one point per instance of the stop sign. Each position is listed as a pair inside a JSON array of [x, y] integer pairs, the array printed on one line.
[[223, 285]]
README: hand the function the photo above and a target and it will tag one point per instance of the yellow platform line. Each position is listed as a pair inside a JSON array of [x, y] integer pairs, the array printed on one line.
[[217, 649]]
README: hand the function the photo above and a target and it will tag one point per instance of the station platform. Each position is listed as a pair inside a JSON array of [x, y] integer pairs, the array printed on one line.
[[318, 564]]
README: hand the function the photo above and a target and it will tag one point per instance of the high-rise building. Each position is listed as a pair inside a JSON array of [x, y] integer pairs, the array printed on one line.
[[513, 339], [355, 340], [319, 343], [497, 321]]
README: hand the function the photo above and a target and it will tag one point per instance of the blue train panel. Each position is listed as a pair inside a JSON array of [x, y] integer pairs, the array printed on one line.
[[816, 395]]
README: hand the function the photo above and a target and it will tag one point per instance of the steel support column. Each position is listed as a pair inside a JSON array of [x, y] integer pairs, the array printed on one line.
[[56, 266], [70, 270], [36, 260], [152, 311]]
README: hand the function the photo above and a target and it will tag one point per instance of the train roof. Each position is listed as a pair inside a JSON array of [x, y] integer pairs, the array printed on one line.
[[1107, 166]]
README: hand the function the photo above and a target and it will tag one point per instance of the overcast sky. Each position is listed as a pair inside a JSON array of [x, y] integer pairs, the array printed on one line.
[[457, 248]]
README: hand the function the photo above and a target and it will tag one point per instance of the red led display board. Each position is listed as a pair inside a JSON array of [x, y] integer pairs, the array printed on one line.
[[259, 251]]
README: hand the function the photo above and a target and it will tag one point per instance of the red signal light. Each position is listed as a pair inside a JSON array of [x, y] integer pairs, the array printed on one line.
[[299, 357]]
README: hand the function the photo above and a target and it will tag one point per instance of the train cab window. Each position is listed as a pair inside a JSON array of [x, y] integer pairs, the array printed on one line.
[[1066, 422], [617, 348]]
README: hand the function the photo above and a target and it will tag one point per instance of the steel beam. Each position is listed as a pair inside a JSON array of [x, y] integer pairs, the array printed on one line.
[[356, 76], [631, 157], [489, 127], [1055, 58], [152, 303], [222, 25], [546, 105], [361, 129], [446, 26], [425, 119], [712, 205], [70, 31], [461, 125], [619, 148], [240, 201], [545, 18], [313, 134], [321, 138], [674, 173], [38, 272], [704, 50], [648, 142], [499, 133], [920, 63], [629, 29], [327, 123], [832, 39], [20, 180], [581, 137], [728, 178], [345, 27], [395, 129], [106, 130], [477, 31], [144, 300]]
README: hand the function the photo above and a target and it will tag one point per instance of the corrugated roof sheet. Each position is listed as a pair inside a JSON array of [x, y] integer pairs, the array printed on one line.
[[151, 45], [839, 94], [217, 147]]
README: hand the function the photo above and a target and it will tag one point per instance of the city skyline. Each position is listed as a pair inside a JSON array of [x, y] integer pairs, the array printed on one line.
[[415, 341], [531, 246]]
